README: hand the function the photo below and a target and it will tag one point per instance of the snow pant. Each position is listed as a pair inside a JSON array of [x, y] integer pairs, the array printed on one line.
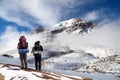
[[37, 61], [23, 59]]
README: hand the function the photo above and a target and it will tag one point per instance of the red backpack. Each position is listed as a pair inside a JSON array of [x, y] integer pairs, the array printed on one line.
[[22, 43]]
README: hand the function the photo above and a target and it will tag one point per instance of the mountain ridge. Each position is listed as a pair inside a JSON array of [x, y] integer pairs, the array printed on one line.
[[69, 26]]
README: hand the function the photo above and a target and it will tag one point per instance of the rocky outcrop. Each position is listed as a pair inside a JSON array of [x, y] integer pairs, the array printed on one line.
[[72, 25]]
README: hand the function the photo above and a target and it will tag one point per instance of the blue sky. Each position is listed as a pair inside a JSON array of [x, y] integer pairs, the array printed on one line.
[[25, 15]]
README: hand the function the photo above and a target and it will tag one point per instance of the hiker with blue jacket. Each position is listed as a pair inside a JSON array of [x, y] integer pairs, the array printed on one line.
[[37, 52], [22, 50]]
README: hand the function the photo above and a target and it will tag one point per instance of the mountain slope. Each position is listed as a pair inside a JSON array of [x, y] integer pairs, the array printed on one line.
[[110, 64], [71, 61], [30, 74]]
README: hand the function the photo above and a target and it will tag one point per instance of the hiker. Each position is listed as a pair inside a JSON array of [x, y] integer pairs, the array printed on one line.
[[22, 50], [37, 52]]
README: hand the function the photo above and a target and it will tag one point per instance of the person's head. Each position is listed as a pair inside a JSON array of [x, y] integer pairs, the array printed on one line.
[[37, 43], [22, 38]]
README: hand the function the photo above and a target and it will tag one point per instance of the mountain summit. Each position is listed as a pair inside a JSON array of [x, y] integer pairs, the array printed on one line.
[[69, 26], [73, 25]]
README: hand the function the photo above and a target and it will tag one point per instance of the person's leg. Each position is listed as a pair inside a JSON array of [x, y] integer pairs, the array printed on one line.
[[21, 59], [39, 62], [25, 60], [35, 56]]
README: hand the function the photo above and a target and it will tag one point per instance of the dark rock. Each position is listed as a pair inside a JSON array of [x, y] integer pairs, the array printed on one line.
[[6, 55]]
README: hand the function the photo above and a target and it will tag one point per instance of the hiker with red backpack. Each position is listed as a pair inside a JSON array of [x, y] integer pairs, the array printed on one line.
[[37, 52], [22, 50]]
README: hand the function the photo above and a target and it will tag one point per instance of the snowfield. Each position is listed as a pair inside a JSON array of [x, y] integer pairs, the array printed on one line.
[[12, 72], [71, 67]]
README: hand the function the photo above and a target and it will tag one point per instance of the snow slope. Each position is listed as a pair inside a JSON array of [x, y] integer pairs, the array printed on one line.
[[12, 72], [109, 64], [68, 64], [71, 61]]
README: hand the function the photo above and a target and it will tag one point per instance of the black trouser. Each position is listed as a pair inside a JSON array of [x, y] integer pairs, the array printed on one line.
[[37, 61], [23, 59]]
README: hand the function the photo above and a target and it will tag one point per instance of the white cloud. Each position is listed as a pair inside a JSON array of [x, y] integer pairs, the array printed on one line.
[[92, 15], [98, 15], [47, 12], [11, 12], [39, 10], [10, 38]]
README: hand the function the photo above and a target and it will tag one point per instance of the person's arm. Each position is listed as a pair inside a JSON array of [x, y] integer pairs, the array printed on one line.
[[41, 48], [32, 50], [26, 44], [18, 46]]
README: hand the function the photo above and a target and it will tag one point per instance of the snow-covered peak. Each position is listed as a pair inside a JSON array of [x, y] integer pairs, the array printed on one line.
[[73, 24], [67, 23]]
